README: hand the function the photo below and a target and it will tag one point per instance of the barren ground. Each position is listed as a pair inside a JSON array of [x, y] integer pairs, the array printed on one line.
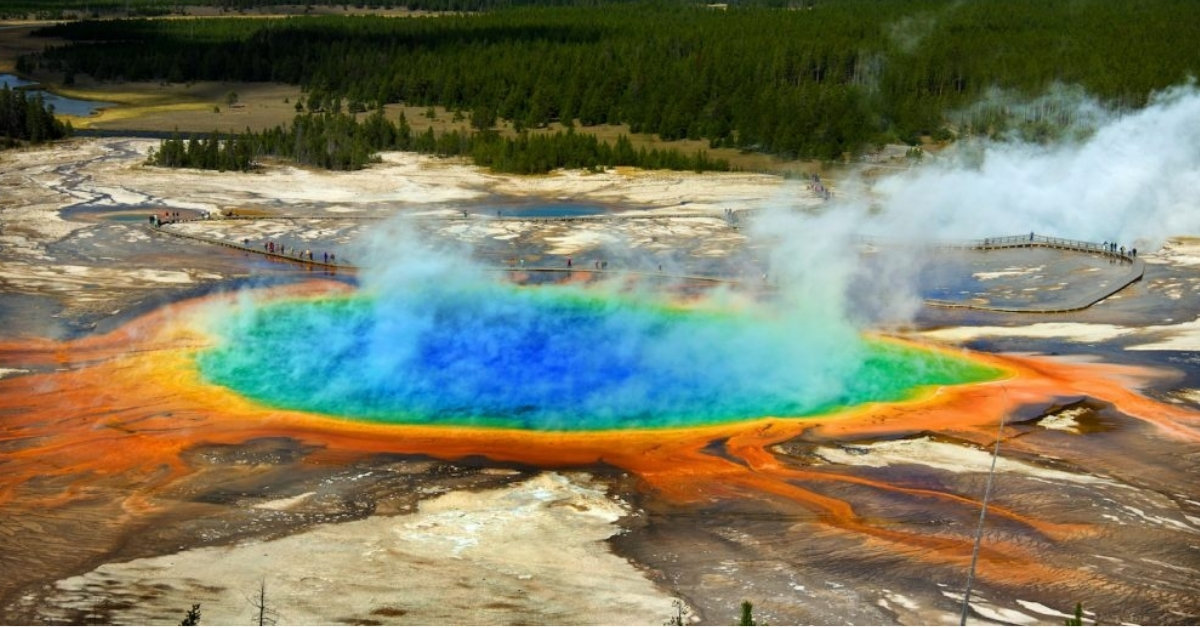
[[1104, 503]]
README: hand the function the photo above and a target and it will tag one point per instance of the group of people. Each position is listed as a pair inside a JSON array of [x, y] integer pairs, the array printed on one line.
[[165, 218], [598, 264], [269, 247], [1111, 247], [817, 186], [272, 248]]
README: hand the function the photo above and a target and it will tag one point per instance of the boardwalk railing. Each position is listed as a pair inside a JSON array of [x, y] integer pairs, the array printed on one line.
[[341, 265], [1032, 240], [1028, 240], [1006, 242], [1065, 244], [295, 257], [481, 216]]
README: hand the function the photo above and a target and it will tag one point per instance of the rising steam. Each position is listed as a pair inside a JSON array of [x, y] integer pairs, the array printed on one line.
[[1136, 180], [434, 339], [438, 339]]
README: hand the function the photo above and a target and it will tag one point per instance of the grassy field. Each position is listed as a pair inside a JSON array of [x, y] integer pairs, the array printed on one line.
[[188, 11], [202, 107], [15, 41], [443, 120], [191, 108]]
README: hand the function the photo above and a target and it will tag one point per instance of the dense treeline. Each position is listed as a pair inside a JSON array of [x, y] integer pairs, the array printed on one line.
[[83, 9], [539, 153], [67, 9], [215, 152], [25, 118], [821, 82], [339, 141]]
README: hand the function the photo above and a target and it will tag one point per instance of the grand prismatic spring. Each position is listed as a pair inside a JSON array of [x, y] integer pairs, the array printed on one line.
[[551, 359]]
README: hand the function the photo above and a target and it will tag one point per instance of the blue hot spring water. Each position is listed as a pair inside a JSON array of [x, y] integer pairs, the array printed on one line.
[[551, 359]]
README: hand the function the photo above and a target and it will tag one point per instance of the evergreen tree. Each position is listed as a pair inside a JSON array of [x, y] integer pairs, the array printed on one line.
[[747, 616], [757, 76], [192, 618], [26, 118]]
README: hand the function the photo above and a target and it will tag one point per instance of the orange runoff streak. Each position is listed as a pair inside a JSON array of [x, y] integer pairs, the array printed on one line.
[[126, 406]]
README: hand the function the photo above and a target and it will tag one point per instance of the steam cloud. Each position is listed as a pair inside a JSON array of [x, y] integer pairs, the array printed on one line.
[[798, 353], [437, 340], [1135, 180]]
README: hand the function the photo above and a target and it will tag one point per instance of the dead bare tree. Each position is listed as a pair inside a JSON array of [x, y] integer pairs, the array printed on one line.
[[264, 614]]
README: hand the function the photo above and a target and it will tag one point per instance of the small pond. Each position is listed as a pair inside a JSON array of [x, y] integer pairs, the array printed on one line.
[[62, 105], [13, 82], [137, 214], [507, 208], [554, 210]]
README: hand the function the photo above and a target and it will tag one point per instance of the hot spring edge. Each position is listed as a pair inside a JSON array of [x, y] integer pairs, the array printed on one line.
[[556, 359]]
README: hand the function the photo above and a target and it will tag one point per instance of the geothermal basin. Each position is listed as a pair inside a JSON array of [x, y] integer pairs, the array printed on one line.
[[444, 437]]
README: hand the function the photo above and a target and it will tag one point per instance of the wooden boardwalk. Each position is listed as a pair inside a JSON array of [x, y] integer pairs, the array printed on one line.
[[319, 263], [489, 217], [311, 263], [1137, 267]]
